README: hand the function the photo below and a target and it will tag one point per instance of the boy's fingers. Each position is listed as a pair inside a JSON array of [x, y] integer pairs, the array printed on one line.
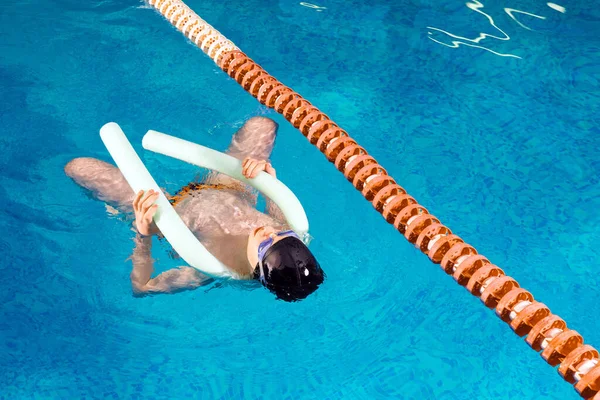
[[137, 198], [150, 213], [147, 194], [256, 168], [247, 162], [249, 171], [139, 206], [249, 166], [148, 201]]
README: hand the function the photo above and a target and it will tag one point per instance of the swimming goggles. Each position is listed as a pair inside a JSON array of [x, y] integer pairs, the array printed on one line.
[[267, 243]]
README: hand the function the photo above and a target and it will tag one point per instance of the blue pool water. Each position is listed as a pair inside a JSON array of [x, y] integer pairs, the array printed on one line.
[[499, 141]]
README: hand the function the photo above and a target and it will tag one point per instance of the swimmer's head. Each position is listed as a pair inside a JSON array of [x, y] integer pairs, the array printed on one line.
[[283, 263]]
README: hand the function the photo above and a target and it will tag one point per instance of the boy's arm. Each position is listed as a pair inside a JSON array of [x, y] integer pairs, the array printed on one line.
[[250, 169], [171, 281], [274, 211]]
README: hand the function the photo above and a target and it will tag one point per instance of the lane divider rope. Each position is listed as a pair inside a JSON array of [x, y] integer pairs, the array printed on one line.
[[545, 332]]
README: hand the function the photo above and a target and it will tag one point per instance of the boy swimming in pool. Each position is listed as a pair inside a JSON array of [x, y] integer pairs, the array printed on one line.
[[222, 214]]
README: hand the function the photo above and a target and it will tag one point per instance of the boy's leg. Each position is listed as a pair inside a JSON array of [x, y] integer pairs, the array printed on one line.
[[254, 139], [104, 180]]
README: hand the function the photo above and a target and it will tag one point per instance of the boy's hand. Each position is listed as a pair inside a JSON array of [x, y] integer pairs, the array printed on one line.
[[251, 168], [144, 208]]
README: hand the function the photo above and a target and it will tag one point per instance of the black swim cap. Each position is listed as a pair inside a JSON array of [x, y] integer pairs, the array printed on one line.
[[289, 270]]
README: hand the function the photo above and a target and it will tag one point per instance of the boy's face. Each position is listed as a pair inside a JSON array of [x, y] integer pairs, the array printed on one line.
[[258, 236]]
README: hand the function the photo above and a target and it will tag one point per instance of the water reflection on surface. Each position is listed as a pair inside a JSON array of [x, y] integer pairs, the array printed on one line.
[[477, 6], [309, 5]]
